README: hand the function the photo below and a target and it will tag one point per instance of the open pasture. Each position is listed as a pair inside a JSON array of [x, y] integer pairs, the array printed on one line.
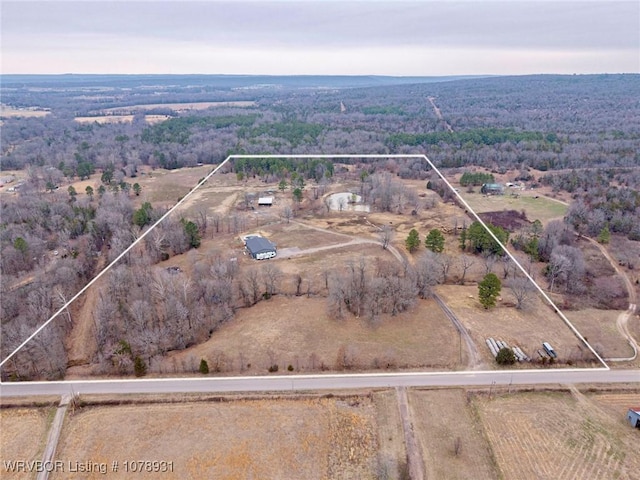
[[297, 331], [559, 436], [526, 328], [24, 433], [179, 107], [536, 207], [329, 438]]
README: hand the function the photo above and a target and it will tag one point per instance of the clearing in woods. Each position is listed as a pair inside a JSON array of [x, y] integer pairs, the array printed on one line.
[[103, 119], [563, 437], [537, 207], [179, 107], [297, 331]]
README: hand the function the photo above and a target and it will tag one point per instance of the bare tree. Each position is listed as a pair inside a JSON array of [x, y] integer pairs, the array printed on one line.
[[466, 262], [386, 235], [250, 286], [444, 261], [489, 260], [427, 273], [287, 213], [522, 290], [271, 275]]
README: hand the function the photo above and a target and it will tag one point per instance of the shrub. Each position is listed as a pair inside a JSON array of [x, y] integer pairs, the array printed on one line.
[[139, 367], [273, 368], [204, 367], [505, 356]]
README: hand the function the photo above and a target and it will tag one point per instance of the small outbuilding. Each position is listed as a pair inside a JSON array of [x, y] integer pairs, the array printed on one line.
[[492, 189], [260, 248], [265, 201], [633, 415]]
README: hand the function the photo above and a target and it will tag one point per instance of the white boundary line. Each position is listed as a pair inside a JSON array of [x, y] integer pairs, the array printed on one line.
[[105, 269], [204, 180]]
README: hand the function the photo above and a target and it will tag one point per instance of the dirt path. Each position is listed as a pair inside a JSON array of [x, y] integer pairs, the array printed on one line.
[[475, 362], [414, 455], [352, 241], [439, 114], [474, 357], [54, 436], [82, 344], [623, 319]]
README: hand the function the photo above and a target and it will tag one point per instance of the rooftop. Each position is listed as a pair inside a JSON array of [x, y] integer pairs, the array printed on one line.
[[256, 244]]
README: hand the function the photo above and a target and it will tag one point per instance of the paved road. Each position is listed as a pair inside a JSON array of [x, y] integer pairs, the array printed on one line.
[[319, 382]]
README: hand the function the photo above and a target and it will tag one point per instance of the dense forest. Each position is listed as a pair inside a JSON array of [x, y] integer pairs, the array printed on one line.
[[579, 134]]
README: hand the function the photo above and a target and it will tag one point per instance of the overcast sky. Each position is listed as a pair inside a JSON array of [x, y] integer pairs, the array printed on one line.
[[428, 37]]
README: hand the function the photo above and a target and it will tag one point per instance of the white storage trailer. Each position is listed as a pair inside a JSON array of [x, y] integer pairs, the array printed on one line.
[[549, 349]]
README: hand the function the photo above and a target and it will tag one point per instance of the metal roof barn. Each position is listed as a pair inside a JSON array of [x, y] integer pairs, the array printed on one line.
[[260, 248]]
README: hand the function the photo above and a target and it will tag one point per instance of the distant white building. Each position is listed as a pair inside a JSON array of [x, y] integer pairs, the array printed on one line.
[[265, 201]]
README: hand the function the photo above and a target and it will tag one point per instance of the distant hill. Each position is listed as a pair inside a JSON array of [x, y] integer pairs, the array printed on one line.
[[219, 81]]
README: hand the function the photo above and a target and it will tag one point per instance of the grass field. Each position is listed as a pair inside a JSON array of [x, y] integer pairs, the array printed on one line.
[[523, 434], [526, 328], [297, 331], [24, 432], [392, 452], [599, 327], [541, 208], [558, 436], [319, 438], [102, 119], [181, 107], [7, 111], [440, 417]]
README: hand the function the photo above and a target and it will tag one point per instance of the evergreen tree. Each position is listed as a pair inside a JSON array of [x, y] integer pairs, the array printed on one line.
[[204, 367], [413, 240], [72, 193], [605, 235], [505, 356], [435, 241], [463, 239], [142, 216], [489, 289], [139, 367], [192, 232]]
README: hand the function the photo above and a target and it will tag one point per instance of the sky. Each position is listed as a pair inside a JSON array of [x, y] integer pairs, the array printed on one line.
[[328, 37]]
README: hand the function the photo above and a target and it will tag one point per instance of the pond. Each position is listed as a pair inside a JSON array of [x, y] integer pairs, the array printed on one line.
[[346, 201]]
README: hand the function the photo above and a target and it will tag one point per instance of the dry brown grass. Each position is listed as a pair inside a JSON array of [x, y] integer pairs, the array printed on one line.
[[23, 436], [599, 327], [105, 119], [181, 107], [541, 208], [526, 328], [616, 403], [392, 452], [311, 438], [440, 417], [559, 436], [8, 112], [297, 331]]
